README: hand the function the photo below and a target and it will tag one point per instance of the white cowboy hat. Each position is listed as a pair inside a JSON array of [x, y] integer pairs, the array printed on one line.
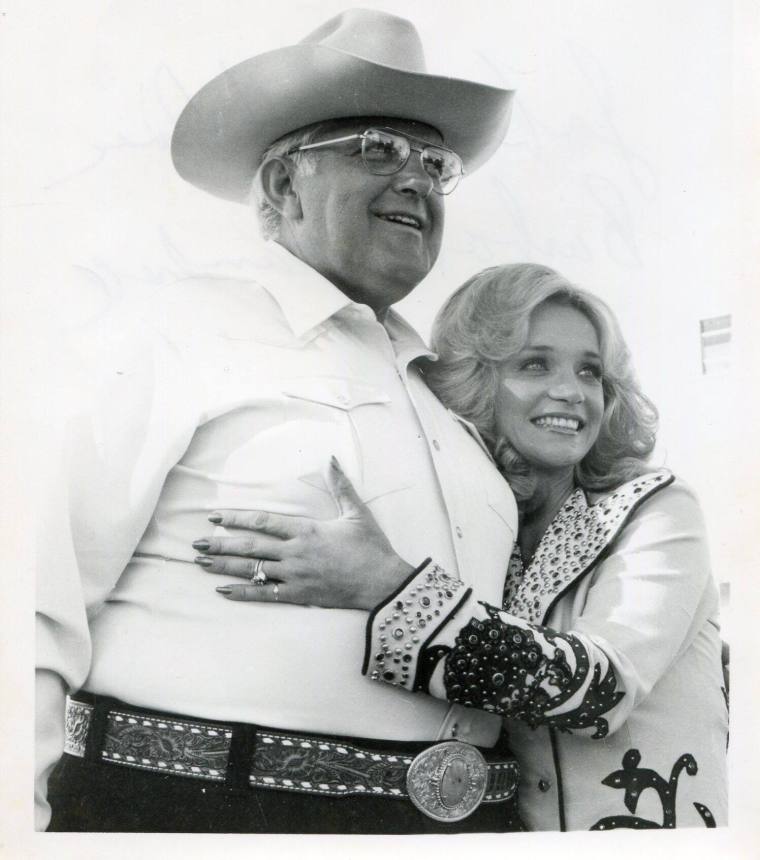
[[359, 63]]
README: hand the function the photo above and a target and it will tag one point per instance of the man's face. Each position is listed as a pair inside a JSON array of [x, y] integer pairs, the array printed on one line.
[[351, 229]]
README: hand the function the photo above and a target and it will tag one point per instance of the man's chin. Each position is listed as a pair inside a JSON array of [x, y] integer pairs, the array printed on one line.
[[407, 271], [404, 282], [390, 279]]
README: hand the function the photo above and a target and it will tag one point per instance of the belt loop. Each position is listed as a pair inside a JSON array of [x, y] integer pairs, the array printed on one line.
[[242, 746], [96, 735]]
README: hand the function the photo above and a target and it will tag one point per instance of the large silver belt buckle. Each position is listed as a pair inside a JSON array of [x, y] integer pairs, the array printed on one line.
[[447, 781]]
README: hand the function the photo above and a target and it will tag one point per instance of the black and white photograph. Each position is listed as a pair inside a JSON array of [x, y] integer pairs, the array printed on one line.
[[381, 386]]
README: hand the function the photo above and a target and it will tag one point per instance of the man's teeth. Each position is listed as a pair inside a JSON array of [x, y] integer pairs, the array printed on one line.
[[556, 421], [402, 219]]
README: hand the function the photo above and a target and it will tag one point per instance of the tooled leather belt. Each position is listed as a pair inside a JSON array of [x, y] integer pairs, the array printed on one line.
[[447, 781]]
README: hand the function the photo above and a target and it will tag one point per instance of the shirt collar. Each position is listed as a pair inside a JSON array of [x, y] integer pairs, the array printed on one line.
[[306, 298], [407, 344]]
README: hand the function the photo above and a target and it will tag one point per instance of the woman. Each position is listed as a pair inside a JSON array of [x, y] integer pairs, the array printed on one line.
[[605, 656]]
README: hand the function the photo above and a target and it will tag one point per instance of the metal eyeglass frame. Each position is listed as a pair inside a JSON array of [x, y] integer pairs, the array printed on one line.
[[392, 131]]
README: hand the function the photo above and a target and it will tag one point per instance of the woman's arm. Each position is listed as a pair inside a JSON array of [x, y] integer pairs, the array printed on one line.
[[433, 635], [648, 600], [429, 632]]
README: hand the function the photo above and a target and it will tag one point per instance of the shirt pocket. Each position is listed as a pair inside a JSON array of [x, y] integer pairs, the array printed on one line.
[[345, 417], [336, 393]]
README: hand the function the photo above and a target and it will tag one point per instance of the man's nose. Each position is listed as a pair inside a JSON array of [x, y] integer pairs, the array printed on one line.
[[413, 178]]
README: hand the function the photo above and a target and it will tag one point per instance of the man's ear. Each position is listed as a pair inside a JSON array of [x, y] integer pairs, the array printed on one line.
[[277, 185]]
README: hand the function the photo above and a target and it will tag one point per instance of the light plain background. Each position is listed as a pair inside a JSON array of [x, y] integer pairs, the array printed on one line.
[[628, 167]]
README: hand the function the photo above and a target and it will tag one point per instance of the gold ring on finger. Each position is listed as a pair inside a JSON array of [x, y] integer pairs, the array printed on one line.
[[258, 577], [276, 592]]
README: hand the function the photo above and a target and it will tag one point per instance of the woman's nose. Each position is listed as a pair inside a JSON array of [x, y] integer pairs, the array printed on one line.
[[566, 388]]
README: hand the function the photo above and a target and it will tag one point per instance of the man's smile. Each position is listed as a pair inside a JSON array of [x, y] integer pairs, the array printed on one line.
[[402, 218]]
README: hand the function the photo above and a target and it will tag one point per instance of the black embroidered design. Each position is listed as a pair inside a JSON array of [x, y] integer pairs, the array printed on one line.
[[633, 780], [428, 662], [508, 669]]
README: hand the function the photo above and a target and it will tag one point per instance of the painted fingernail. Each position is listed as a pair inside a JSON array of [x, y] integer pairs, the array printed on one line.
[[203, 560], [201, 545], [215, 518], [224, 589]]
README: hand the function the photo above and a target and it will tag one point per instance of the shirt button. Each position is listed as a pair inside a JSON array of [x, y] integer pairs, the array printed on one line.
[[459, 532], [436, 445], [544, 785]]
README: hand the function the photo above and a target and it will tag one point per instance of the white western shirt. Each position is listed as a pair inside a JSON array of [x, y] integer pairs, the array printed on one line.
[[232, 393]]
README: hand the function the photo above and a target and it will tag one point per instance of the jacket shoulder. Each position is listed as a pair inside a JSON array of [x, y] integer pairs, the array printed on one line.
[[632, 493], [659, 488]]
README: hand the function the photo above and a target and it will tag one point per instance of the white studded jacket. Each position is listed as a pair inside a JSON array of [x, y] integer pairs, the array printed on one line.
[[604, 661]]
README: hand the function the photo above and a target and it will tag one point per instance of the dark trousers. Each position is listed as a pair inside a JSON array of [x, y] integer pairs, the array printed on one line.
[[89, 794]]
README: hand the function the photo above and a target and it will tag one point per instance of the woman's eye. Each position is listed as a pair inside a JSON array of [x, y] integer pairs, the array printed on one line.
[[592, 370], [533, 364]]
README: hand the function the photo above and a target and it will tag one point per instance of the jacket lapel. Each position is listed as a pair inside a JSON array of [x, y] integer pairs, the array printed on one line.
[[573, 542]]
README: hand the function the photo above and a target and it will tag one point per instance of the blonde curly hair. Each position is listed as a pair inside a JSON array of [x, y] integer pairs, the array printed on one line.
[[486, 321]]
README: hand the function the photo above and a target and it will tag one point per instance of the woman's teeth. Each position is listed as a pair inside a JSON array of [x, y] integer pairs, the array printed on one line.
[[555, 421]]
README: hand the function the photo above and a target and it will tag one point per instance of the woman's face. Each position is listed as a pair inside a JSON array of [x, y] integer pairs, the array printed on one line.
[[549, 402]]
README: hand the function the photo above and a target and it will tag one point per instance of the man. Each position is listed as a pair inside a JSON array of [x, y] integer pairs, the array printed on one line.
[[194, 713]]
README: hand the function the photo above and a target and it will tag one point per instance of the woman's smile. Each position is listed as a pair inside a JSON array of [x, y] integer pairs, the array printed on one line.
[[550, 402], [565, 424]]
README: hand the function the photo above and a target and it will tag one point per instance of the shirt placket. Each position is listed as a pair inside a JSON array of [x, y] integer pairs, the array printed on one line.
[[443, 455]]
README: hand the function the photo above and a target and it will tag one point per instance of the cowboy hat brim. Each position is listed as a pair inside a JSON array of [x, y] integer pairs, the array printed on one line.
[[224, 130]]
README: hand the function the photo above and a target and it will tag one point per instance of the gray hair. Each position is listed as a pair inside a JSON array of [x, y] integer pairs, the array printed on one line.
[[269, 218], [486, 321]]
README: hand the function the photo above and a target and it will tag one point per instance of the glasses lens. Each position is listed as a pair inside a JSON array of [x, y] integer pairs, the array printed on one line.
[[443, 166], [384, 153]]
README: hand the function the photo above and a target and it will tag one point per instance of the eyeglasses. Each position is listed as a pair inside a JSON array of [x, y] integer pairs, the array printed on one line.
[[385, 151]]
